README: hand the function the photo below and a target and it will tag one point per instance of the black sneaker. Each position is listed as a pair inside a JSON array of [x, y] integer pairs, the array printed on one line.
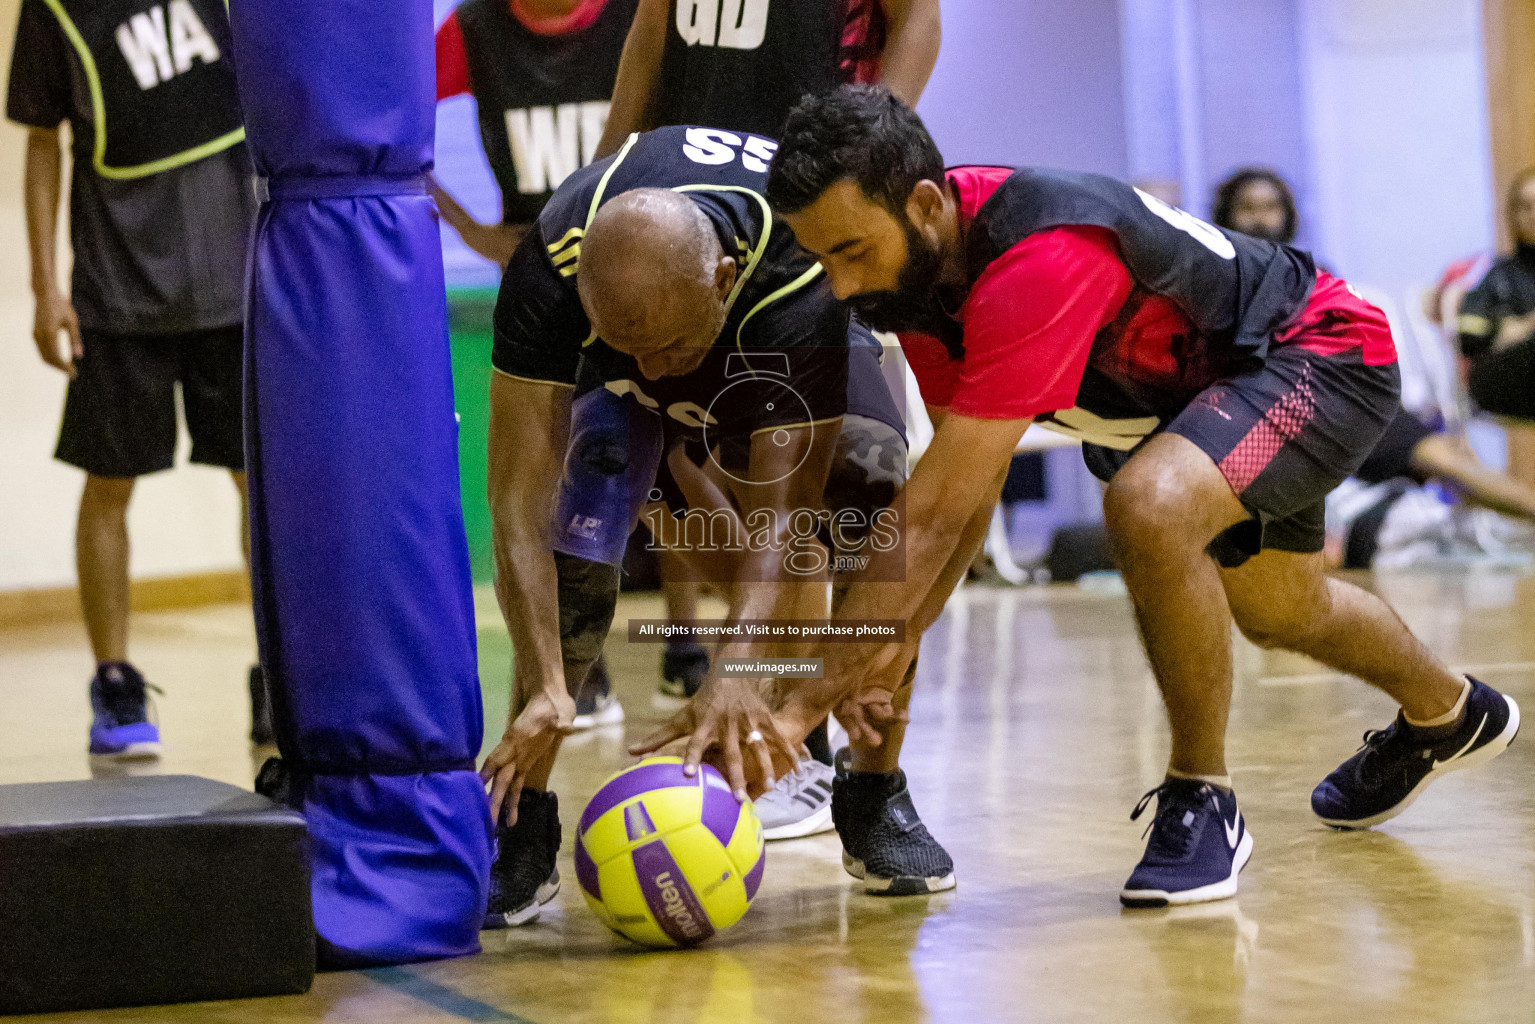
[[884, 843], [524, 876], [684, 667], [1395, 763], [1199, 845], [261, 709]]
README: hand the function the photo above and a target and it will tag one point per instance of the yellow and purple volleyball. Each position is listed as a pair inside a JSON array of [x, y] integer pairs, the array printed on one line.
[[668, 860]]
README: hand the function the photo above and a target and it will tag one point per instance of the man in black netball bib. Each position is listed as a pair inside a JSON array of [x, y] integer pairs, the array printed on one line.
[[741, 65], [664, 348], [541, 73], [161, 207]]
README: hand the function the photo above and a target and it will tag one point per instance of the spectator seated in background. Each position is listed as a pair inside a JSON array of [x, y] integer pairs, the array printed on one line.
[[1257, 201], [1497, 320], [1399, 508], [1415, 448]]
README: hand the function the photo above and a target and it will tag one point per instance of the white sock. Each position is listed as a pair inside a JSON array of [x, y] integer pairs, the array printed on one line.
[[1223, 781], [1450, 716]]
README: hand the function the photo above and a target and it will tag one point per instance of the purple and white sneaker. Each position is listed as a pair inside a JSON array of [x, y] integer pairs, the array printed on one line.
[[121, 729]]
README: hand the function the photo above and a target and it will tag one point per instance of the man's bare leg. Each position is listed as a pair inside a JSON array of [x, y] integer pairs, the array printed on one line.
[[681, 593], [101, 560], [1283, 599], [262, 733], [120, 727], [886, 756], [1447, 721], [245, 517], [575, 675], [1521, 450], [1162, 510]]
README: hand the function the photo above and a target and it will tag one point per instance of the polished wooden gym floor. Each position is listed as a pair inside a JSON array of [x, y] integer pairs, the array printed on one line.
[[1036, 728]]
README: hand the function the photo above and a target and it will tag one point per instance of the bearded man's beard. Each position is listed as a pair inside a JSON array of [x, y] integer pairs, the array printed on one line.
[[914, 304]]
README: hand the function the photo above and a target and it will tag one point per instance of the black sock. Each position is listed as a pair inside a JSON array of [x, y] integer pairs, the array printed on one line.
[[886, 784]]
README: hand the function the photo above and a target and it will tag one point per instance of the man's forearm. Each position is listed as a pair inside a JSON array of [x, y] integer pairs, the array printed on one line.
[[528, 436], [42, 188], [970, 543], [495, 242], [639, 68], [812, 699], [527, 589], [452, 211]]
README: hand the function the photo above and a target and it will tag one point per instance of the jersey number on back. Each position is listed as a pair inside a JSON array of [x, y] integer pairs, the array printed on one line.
[[738, 24], [1206, 235], [712, 146]]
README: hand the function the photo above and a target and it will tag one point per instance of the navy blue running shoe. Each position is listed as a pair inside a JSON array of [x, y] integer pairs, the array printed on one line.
[[1199, 845], [120, 725], [1395, 764]]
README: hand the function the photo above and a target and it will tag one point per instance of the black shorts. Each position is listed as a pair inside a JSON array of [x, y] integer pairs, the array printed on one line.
[[1392, 456], [120, 411], [1283, 436], [1503, 382]]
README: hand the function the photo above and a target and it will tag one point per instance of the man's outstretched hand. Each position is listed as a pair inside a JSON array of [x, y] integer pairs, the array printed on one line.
[[724, 716], [530, 736]]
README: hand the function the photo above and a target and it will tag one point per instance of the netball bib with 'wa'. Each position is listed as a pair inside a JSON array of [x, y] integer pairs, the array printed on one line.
[[161, 81]]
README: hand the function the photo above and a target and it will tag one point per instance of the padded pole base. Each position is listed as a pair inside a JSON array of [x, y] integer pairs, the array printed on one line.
[[156, 889]]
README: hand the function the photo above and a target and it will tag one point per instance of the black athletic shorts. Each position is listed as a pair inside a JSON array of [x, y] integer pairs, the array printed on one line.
[[120, 411], [1283, 436], [1392, 455], [1503, 383]]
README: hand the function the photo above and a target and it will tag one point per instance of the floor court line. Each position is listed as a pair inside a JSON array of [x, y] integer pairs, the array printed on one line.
[[443, 997]]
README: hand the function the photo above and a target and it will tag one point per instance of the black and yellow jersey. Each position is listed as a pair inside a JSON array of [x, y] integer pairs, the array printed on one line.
[[781, 358]]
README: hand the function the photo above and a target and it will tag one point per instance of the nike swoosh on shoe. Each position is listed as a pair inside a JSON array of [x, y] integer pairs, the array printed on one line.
[[1455, 756]]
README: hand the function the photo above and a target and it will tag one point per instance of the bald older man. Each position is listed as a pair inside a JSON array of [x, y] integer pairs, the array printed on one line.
[[664, 348]]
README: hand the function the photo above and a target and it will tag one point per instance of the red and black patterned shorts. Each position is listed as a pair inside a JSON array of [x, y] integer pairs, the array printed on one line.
[[1286, 434]]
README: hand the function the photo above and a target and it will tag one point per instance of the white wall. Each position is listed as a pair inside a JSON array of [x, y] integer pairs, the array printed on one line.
[[1029, 82], [1397, 135], [1375, 110], [184, 521]]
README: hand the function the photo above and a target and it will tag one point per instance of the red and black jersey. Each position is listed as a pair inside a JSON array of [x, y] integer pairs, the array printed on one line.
[[542, 90], [1091, 302], [742, 65]]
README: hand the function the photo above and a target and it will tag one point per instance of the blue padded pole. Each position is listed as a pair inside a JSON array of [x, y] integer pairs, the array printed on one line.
[[360, 568]]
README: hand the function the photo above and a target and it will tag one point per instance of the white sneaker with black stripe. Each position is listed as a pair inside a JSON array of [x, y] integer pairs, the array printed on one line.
[[800, 804]]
